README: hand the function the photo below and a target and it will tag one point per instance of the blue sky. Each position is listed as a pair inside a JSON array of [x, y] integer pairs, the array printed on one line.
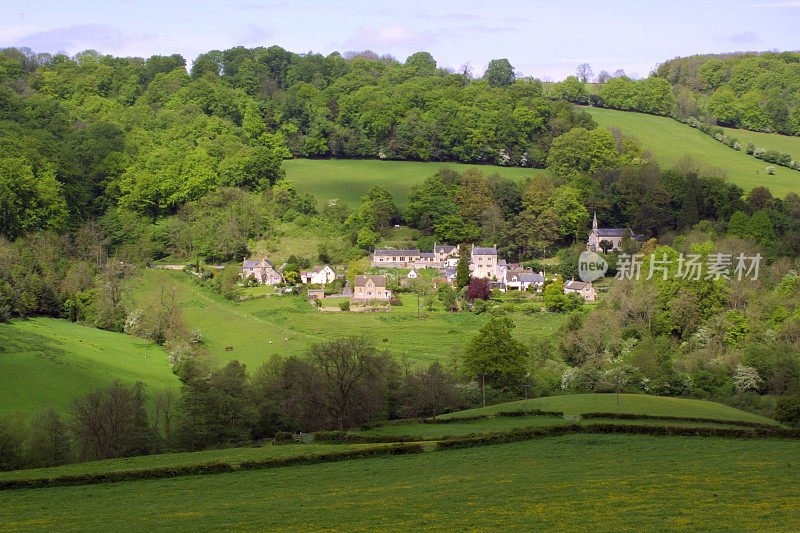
[[547, 39]]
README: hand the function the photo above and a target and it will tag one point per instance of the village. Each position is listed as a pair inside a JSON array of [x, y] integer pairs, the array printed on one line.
[[439, 267]]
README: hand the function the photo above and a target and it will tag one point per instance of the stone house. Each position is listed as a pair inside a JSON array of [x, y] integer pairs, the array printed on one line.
[[483, 262], [370, 287], [262, 270], [395, 258], [586, 290]]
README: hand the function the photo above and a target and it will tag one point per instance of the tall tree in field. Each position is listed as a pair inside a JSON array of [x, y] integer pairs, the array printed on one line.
[[494, 355], [462, 269]]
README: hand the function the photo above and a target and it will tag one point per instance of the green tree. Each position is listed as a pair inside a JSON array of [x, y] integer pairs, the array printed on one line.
[[499, 73], [494, 355], [462, 268]]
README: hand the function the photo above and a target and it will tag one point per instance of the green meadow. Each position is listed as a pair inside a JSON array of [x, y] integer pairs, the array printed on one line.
[[582, 481], [349, 179], [668, 140], [289, 325], [634, 404], [768, 141], [46, 362], [226, 455]]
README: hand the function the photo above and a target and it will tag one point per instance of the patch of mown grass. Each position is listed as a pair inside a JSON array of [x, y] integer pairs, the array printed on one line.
[[350, 179]]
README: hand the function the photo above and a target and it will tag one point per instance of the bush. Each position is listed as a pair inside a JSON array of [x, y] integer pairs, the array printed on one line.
[[480, 306], [787, 410], [345, 305], [395, 301], [770, 170], [750, 149]]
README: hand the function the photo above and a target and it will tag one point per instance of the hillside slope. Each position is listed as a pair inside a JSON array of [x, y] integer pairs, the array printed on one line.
[[669, 140], [637, 404], [45, 362]]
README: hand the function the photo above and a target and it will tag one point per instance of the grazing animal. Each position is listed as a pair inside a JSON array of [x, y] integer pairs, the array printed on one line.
[[229, 348]]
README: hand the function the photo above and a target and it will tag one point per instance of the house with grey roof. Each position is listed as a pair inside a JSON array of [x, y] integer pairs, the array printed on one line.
[[262, 270], [522, 280], [584, 289], [613, 236], [483, 262]]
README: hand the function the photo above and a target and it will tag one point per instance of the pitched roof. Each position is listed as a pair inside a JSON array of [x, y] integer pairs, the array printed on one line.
[[525, 276], [576, 285], [318, 268], [426, 254], [253, 264], [393, 252], [612, 232], [484, 251], [443, 248], [379, 281]]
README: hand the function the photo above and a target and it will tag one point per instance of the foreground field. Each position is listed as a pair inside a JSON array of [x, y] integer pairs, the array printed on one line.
[[669, 140], [571, 482], [172, 460], [636, 404], [349, 179], [45, 362], [289, 325]]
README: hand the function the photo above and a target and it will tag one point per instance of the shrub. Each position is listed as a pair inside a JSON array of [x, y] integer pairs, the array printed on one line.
[[759, 153], [737, 146], [787, 410], [395, 301], [750, 148], [480, 306], [770, 170], [345, 305]]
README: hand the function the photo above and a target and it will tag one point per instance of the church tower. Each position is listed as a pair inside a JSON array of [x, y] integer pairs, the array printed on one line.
[[594, 223]]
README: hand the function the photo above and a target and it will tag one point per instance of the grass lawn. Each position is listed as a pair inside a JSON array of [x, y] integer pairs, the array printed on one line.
[[575, 482], [668, 140], [638, 404], [289, 325], [350, 179], [46, 362]]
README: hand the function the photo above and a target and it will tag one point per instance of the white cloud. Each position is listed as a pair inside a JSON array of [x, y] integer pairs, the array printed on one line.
[[386, 39]]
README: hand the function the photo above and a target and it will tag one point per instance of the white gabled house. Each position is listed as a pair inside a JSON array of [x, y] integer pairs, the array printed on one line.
[[320, 275]]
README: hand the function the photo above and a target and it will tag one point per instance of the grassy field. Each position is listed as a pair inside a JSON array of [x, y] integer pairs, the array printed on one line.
[[637, 404], [228, 455], [601, 482], [47, 362], [349, 179], [769, 141], [489, 425], [289, 325], [669, 140]]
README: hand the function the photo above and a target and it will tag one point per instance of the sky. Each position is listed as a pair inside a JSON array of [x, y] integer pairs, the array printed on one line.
[[545, 39]]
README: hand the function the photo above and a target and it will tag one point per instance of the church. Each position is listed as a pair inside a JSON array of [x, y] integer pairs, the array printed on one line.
[[612, 235]]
